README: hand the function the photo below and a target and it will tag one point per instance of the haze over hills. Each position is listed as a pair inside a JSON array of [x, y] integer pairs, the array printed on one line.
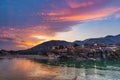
[[46, 45]]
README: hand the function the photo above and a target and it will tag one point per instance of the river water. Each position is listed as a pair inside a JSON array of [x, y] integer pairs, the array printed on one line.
[[26, 69]]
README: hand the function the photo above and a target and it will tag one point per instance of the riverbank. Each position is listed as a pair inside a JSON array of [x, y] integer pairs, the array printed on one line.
[[54, 58], [46, 57], [25, 56], [42, 57]]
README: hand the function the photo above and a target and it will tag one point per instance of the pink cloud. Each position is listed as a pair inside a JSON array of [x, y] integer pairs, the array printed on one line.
[[117, 15], [78, 15], [75, 4]]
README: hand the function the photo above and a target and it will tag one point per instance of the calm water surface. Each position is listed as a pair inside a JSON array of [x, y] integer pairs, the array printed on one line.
[[25, 69]]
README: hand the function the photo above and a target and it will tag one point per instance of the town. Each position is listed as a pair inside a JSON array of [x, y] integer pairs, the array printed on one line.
[[86, 51]]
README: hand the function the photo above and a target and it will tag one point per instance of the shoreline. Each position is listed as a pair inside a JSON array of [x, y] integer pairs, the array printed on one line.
[[48, 58], [26, 56]]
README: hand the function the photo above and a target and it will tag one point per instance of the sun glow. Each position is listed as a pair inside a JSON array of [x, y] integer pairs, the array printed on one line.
[[40, 37]]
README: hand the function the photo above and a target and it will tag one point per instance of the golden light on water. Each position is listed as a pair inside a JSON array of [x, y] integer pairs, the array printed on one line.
[[33, 69]]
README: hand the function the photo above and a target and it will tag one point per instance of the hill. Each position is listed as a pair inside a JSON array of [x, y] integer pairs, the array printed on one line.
[[45, 46], [105, 40]]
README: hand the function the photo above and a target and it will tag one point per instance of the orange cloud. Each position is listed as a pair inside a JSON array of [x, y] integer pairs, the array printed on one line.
[[26, 37]]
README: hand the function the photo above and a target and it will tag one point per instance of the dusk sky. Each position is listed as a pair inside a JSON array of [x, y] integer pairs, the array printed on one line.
[[26, 23]]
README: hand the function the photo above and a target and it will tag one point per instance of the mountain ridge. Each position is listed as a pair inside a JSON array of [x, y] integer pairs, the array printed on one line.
[[46, 45], [110, 39]]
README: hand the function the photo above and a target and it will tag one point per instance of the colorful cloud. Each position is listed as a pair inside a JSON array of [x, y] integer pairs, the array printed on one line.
[[26, 23]]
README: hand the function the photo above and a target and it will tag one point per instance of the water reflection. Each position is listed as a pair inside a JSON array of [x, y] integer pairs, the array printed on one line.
[[24, 69], [87, 70]]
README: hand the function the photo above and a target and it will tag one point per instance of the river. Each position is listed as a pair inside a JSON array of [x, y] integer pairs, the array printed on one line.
[[27, 69]]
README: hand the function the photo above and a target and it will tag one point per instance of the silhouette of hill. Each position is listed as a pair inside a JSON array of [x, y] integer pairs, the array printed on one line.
[[45, 46]]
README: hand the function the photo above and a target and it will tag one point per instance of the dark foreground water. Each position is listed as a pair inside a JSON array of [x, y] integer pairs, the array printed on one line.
[[25, 69]]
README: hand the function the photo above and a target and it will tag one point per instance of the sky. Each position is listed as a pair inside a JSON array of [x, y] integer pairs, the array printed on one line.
[[26, 23]]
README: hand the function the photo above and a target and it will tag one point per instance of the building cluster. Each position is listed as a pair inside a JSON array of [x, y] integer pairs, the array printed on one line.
[[7, 53], [94, 51]]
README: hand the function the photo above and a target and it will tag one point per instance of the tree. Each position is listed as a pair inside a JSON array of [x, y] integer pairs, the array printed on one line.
[[75, 45]]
